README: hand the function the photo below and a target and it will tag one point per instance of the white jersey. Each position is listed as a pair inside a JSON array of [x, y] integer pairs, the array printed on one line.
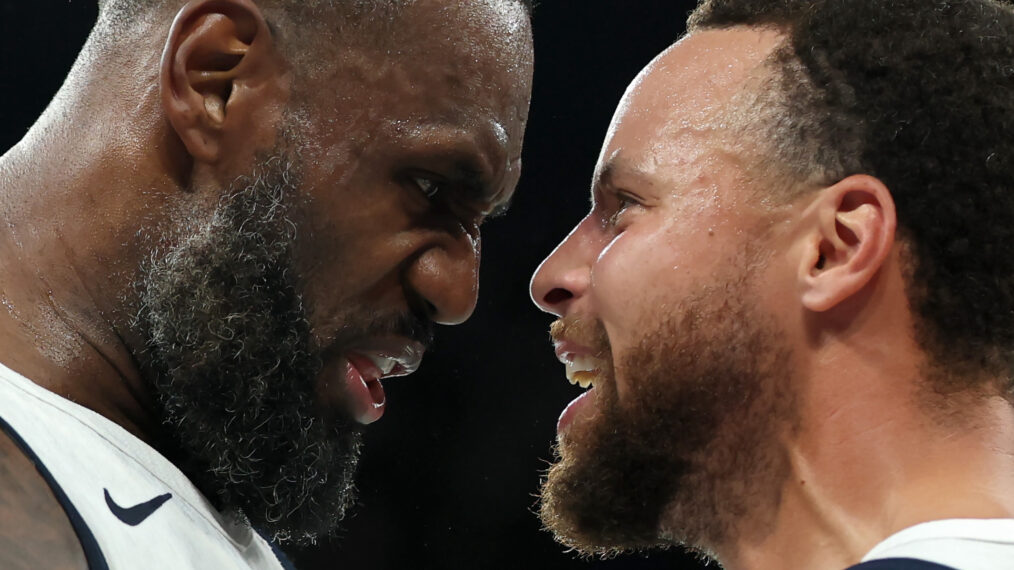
[[131, 507], [965, 544]]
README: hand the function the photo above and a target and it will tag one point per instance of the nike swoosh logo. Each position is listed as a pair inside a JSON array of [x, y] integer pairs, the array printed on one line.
[[135, 515]]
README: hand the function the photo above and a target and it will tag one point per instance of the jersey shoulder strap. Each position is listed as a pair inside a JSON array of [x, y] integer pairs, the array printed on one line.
[[899, 564], [93, 554]]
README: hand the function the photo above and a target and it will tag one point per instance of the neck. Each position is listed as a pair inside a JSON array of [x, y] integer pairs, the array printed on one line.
[[864, 473], [75, 212]]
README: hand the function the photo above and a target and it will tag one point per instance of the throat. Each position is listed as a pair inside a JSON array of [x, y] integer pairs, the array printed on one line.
[[47, 348]]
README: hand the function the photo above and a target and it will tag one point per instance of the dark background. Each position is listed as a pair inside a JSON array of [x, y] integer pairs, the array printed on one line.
[[449, 475]]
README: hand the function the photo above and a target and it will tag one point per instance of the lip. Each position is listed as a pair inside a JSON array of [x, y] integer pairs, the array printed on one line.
[[583, 366], [576, 411], [567, 350], [367, 363]]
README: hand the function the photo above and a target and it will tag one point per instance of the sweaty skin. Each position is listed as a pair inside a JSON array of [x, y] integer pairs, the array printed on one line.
[[863, 450], [407, 141]]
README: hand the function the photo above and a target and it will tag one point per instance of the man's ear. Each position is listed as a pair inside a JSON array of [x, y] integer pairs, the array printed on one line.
[[851, 228], [216, 52]]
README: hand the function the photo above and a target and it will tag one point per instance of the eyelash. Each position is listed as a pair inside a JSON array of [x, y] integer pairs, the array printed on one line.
[[432, 189], [429, 187], [624, 202]]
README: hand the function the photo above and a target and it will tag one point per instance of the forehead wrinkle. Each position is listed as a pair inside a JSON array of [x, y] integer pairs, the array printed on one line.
[[704, 168], [681, 147], [623, 171], [664, 148]]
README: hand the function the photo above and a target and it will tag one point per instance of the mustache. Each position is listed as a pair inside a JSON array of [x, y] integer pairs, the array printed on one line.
[[585, 331], [412, 325]]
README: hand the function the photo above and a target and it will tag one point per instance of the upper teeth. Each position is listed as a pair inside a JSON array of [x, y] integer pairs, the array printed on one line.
[[387, 359], [385, 363], [582, 370]]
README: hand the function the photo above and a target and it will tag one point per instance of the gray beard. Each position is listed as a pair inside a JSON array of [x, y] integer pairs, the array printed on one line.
[[691, 452], [233, 366]]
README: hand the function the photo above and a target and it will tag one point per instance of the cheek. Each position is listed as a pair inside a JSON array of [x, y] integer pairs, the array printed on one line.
[[648, 270], [631, 273], [342, 248]]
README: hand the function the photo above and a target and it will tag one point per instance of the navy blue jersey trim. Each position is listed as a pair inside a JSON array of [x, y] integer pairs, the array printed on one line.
[[899, 564], [283, 559], [93, 554]]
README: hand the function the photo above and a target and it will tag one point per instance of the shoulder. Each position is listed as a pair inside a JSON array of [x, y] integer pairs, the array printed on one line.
[[34, 529]]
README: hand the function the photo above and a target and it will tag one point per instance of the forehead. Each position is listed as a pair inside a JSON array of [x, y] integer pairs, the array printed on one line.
[[477, 27], [679, 100], [457, 42], [465, 64], [479, 50]]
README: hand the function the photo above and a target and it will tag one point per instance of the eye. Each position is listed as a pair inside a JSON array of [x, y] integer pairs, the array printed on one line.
[[429, 187], [624, 202]]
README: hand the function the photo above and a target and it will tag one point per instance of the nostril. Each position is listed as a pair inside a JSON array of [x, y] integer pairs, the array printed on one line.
[[557, 296]]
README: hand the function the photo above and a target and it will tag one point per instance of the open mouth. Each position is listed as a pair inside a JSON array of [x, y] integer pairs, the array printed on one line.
[[370, 361], [581, 364], [583, 369]]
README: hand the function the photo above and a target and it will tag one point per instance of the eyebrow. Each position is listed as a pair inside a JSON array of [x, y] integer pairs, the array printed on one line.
[[501, 209], [605, 176], [467, 172], [616, 166], [469, 163]]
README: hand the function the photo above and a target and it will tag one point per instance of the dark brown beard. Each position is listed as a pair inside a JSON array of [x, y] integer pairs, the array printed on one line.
[[692, 448]]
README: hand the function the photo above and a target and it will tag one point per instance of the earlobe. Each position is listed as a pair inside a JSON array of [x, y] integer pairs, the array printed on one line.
[[212, 46], [851, 233]]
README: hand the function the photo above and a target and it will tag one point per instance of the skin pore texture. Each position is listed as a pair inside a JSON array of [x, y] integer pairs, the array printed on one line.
[[203, 240], [758, 393]]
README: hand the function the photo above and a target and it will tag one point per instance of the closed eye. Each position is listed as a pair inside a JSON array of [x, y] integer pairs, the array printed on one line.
[[625, 201]]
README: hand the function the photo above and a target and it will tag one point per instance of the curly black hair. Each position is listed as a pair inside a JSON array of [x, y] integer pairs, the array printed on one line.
[[920, 94]]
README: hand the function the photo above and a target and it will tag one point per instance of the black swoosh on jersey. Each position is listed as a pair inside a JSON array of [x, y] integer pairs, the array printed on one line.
[[135, 515]]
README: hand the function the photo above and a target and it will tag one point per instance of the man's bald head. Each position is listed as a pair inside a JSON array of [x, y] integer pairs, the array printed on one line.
[[306, 30], [341, 15]]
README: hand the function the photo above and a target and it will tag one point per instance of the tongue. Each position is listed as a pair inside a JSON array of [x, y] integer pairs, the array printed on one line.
[[366, 395]]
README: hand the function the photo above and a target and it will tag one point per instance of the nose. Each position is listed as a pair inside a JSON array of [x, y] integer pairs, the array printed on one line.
[[564, 277], [446, 276]]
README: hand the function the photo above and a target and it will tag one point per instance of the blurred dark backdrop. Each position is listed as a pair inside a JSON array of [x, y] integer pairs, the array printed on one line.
[[449, 475]]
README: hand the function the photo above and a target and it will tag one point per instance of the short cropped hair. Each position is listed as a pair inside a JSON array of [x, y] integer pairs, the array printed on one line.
[[920, 94]]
